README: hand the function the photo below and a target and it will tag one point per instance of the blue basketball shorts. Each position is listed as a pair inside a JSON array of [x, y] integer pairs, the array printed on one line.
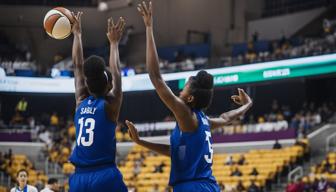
[[196, 186], [94, 180]]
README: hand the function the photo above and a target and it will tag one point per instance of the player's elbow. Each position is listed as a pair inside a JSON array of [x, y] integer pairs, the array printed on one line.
[[156, 78]]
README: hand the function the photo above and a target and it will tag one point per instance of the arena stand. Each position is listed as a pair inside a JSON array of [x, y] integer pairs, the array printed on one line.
[[145, 170], [11, 163], [57, 133]]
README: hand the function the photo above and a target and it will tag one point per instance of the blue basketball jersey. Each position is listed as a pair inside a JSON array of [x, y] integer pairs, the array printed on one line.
[[95, 135], [191, 153]]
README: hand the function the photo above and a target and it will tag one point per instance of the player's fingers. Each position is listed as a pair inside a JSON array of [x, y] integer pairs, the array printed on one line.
[[112, 24], [130, 125], [74, 16], [144, 5], [130, 134], [127, 123], [79, 15], [244, 93], [140, 9], [144, 8], [120, 23], [121, 29], [116, 26], [150, 8], [240, 91], [235, 98], [109, 25]]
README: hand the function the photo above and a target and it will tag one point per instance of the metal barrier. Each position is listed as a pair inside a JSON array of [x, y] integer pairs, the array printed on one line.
[[328, 141], [297, 173]]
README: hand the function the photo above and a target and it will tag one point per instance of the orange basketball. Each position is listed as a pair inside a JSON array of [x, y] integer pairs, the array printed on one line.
[[57, 23]]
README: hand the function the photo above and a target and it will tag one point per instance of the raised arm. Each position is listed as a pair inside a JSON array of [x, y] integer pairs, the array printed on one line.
[[226, 118], [114, 34], [159, 148], [78, 60], [175, 104]]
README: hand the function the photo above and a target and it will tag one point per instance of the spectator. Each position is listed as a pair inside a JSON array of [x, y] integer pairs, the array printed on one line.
[[240, 186], [241, 160], [253, 187], [327, 166], [229, 160], [21, 106], [137, 168], [2, 162], [8, 155], [167, 189], [292, 187], [54, 120], [52, 186], [300, 185], [131, 188], [22, 179], [2, 122], [159, 168], [221, 187], [314, 186], [17, 119], [155, 188], [31, 122], [255, 36], [254, 172], [72, 131], [236, 172], [307, 185], [277, 145], [322, 185], [45, 136]]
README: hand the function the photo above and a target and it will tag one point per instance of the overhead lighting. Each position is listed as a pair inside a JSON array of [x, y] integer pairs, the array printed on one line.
[[113, 4]]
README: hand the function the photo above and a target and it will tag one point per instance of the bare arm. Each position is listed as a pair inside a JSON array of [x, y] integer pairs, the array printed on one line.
[[159, 148], [181, 111], [78, 60], [114, 35], [226, 118]]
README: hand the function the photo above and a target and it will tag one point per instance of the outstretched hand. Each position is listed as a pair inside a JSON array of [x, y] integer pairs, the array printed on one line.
[[77, 24], [146, 12], [242, 98], [115, 31], [132, 131]]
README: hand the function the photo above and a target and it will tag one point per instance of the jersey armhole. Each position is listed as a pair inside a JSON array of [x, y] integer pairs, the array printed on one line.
[[106, 112], [199, 124], [81, 103]]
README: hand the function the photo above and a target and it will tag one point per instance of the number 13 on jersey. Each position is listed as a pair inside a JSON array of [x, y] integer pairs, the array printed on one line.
[[89, 125]]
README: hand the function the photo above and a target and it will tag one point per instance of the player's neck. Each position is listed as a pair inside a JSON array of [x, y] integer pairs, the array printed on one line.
[[22, 186]]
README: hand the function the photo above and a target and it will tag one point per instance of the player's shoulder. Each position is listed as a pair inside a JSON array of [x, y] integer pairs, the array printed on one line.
[[45, 190], [12, 190], [32, 189]]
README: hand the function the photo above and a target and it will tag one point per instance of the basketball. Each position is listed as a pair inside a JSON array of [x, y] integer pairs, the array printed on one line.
[[57, 23]]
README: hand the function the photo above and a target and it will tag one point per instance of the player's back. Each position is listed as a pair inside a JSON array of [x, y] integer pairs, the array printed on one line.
[[95, 135], [94, 153], [191, 153]]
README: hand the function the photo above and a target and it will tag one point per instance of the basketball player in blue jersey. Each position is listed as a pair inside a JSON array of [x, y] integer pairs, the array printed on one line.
[[190, 147], [98, 102]]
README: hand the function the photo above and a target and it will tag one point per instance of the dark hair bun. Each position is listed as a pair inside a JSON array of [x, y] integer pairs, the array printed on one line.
[[204, 80], [94, 67]]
